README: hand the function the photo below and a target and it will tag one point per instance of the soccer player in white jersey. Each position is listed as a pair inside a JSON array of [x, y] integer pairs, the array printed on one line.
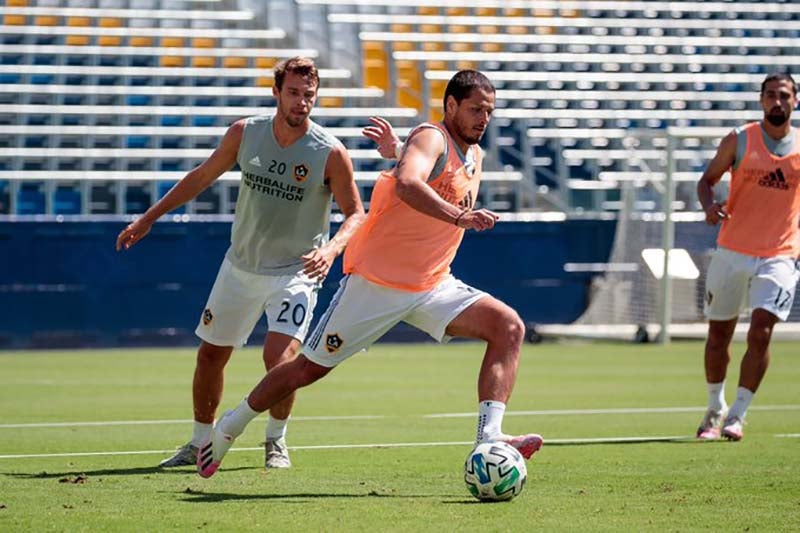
[[280, 249], [756, 257]]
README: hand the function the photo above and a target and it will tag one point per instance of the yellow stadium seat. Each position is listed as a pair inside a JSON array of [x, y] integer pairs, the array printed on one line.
[[401, 28], [265, 82], [409, 84], [204, 62], [437, 88], [16, 3], [78, 21], [461, 47], [436, 113], [491, 47], [266, 62], [110, 22], [204, 42], [14, 20], [427, 10], [539, 12], [77, 40], [402, 46], [375, 60], [172, 61], [513, 12], [430, 28], [109, 40], [234, 62], [456, 12], [46, 20], [517, 30], [141, 41], [433, 46], [172, 42], [331, 101], [485, 11], [570, 13], [466, 65]]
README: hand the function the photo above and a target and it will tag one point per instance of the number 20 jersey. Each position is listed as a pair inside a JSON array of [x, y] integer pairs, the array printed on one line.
[[284, 204]]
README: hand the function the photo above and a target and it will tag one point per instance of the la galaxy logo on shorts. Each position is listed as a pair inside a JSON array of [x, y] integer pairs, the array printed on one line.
[[300, 173], [333, 342], [207, 317]]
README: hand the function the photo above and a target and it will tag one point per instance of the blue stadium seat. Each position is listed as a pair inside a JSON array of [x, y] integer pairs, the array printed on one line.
[[137, 141], [30, 199], [203, 121], [67, 201], [172, 120], [5, 197], [137, 199]]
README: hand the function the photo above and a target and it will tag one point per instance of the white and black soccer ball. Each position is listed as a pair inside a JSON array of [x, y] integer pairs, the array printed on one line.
[[495, 471]]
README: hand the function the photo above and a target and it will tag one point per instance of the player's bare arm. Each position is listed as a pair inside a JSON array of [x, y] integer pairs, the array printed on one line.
[[419, 157], [339, 175], [196, 181], [722, 161], [381, 132]]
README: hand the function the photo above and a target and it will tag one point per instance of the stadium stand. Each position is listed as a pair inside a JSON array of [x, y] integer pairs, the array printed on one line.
[[582, 84]]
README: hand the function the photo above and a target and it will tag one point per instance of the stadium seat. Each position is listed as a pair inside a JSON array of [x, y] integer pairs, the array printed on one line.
[[66, 200], [31, 199]]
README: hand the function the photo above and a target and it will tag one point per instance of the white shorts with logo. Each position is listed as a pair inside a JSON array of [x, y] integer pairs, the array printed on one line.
[[361, 312], [239, 298], [737, 281]]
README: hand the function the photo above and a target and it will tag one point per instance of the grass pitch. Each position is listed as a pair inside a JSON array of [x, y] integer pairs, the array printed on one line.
[[83, 430]]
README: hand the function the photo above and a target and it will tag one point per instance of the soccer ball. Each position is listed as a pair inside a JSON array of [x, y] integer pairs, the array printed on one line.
[[495, 471]]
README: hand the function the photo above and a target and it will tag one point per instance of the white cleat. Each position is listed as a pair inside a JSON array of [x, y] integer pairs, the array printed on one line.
[[276, 454], [211, 452], [710, 425]]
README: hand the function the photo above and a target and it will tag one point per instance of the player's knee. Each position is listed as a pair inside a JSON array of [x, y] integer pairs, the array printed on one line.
[[758, 337], [309, 371], [211, 356], [508, 329]]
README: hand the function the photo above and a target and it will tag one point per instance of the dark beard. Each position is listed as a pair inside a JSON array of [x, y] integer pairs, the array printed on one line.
[[777, 120]]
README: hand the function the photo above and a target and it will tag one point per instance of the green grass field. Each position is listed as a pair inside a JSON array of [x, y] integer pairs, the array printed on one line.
[[101, 476]]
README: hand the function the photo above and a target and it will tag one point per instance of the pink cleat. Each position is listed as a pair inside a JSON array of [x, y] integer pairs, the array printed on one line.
[[210, 454], [732, 429], [709, 426], [527, 445]]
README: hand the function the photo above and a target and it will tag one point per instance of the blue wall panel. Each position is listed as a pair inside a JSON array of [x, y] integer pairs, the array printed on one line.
[[63, 284]]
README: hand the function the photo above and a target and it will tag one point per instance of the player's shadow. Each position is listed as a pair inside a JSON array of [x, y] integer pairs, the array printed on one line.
[[76, 476], [198, 496]]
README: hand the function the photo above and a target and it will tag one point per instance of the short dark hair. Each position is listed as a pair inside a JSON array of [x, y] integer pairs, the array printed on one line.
[[779, 76], [461, 84], [302, 66]]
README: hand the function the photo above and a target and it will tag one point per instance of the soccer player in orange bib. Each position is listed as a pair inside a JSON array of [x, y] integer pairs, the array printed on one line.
[[755, 263], [397, 268]]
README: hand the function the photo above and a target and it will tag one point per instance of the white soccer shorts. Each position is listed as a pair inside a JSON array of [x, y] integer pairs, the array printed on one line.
[[361, 312], [239, 298], [736, 281]]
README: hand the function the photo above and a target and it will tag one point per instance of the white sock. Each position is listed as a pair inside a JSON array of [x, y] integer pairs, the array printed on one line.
[[234, 422], [716, 396], [276, 428], [490, 419], [743, 399], [201, 433]]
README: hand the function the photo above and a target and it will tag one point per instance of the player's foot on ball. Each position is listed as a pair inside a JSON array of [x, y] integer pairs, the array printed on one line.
[[710, 425], [276, 455], [527, 445], [732, 428], [211, 452], [185, 456]]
